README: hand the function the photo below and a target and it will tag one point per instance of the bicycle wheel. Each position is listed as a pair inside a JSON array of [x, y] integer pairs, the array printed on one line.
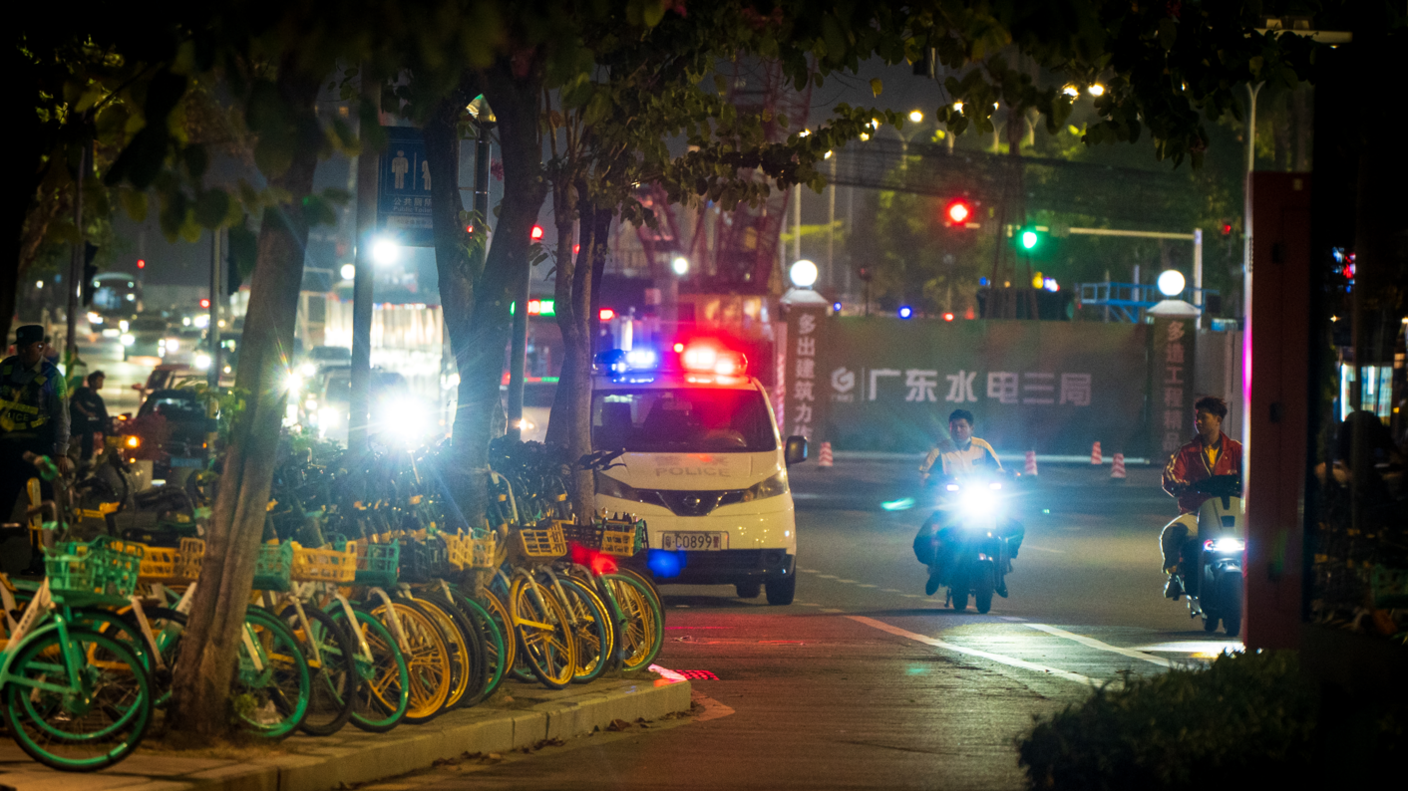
[[492, 640], [545, 639], [428, 660], [591, 628], [503, 624], [643, 627], [383, 696], [463, 659], [332, 667], [474, 640], [77, 720], [167, 626], [643, 579], [272, 686]]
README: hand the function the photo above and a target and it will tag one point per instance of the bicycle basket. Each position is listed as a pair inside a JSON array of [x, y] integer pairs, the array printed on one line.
[[273, 567], [623, 539], [323, 565], [102, 571], [189, 559], [376, 563], [159, 563], [541, 542], [424, 559], [582, 535]]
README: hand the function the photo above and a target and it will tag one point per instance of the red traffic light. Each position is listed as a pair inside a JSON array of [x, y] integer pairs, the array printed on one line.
[[205, 304], [1227, 229], [606, 314], [948, 317], [537, 233], [141, 263], [958, 212]]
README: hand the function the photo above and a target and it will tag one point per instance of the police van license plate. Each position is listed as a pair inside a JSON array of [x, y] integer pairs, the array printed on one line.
[[695, 542]]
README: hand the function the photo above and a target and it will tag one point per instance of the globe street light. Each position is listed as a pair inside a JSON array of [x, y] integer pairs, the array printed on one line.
[[803, 274], [1171, 283], [680, 265]]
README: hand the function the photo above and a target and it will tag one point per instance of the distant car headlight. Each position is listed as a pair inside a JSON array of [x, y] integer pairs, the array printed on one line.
[[403, 421], [524, 424], [203, 362], [127, 339], [172, 344], [293, 382], [94, 318], [309, 369], [111, 332]]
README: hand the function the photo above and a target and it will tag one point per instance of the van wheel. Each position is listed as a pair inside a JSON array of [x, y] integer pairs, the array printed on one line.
[[782, 591], [748, 590]]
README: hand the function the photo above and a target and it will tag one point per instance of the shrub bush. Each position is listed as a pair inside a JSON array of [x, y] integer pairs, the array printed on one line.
[[1245, 720]]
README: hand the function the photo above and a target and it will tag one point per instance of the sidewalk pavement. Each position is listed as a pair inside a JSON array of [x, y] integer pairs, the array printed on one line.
[[525, 717]]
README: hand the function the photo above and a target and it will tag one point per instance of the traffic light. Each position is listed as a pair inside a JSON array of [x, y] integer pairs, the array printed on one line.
[[960, 213], [205, 304], [1029, 239], [536, 234], [606, 314]]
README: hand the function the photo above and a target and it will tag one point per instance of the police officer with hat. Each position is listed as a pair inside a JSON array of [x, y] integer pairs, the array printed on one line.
[[33, 416]]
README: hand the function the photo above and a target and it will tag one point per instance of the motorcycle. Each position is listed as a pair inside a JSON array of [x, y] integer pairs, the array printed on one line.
[[976, 553], [1212, 569]]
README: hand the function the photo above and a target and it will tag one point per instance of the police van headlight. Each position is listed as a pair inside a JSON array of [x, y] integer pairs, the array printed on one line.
[[611, 487], [775, 486]]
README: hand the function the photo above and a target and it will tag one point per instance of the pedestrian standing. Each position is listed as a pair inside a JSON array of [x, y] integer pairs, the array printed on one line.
[[88, 414], [33, 416]]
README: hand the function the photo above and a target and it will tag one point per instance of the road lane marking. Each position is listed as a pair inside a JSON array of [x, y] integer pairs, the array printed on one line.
[[827, 576], [988, 655], [831, 609], [1091, 642], [911, 596], [808, 571], [867, 585], [1044, 549], [712, 708], [1202, 649], [808, 604], [889, 590], [847, 581]]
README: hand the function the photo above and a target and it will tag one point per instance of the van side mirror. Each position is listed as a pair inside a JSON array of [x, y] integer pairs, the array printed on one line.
[[796, 451]]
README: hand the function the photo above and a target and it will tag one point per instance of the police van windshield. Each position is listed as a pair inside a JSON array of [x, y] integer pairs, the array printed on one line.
[[682, 420]]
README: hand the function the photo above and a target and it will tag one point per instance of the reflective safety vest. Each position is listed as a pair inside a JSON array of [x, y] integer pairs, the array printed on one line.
[[22, 406]]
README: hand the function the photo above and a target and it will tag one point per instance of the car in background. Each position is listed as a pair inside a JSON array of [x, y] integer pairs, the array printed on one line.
[[397, 417], [145, 336], [538, 396], [172, 429], [182, 344]]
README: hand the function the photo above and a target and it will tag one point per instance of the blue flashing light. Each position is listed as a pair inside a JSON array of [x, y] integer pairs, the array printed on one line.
[[906, 311], [641, 358], [982, 281], [665, 563], [836, 306]]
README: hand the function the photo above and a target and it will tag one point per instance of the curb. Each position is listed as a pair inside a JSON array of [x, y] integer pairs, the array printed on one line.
[[885, 455], [352, 757]]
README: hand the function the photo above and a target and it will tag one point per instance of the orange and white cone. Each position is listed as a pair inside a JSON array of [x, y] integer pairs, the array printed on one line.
[[1095, 457], [1117, 469], [1031, 464], [824, 459]]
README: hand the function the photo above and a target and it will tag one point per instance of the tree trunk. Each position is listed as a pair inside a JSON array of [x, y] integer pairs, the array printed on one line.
[[476, 302], [459, 260], [201, 701]]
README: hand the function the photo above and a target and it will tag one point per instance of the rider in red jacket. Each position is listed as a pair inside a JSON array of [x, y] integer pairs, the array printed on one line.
[[1210, 453]]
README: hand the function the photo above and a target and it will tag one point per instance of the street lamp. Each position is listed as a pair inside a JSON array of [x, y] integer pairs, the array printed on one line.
[[1171, 283], [803, 274], [680, 265], [1096, 89], [386, 251], [916, 116]]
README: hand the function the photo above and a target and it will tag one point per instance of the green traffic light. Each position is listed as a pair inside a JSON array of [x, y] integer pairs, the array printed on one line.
[[1029, 239]]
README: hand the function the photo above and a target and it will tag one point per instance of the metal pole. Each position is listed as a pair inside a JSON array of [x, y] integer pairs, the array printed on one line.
[[518, 355], [75, 268], [1198, 276], [213, 332], [368, 174], [831, 228], [1252, 91], [796, 227]]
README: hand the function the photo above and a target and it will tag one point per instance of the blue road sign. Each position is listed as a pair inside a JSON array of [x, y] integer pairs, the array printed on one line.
[[403, 191]]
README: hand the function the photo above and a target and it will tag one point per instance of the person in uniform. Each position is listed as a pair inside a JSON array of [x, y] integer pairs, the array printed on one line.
[[33, 416], [88, 414]]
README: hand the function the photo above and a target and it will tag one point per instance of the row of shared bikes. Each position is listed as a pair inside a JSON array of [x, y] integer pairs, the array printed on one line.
[[374, 604]]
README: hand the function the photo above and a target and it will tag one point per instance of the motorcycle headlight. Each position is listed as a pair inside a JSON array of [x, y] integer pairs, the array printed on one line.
[[1225, 544], [979, 501]]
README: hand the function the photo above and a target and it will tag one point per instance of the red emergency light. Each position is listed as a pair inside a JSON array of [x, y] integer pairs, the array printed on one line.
[[948, 317], [141, 263], [535, 307], [703, 358], [205, 304], [606, 314], [537, 233]]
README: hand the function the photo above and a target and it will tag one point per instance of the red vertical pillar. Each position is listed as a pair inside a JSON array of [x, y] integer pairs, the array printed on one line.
[[1277, 367]]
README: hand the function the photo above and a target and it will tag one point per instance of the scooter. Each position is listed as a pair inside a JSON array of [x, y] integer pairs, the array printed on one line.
[[977, 554], [1213, 560]]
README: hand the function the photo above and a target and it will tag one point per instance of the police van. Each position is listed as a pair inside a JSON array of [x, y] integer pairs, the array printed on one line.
[[704, 466]]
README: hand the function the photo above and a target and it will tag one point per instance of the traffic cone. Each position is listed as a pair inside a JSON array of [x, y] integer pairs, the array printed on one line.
[[1117, 469], [1095, 457], [824, 459], [1031, 464]]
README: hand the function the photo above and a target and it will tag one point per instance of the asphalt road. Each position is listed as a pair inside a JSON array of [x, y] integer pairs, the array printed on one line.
[[865, 682]]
